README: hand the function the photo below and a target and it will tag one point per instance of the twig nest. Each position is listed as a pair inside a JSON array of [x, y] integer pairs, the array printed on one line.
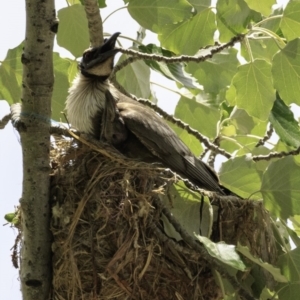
[[108, 237]]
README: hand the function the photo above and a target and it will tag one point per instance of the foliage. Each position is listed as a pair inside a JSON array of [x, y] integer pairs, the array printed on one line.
[[233, 96]]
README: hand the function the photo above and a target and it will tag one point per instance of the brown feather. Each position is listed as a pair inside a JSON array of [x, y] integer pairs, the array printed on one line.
[[152, 139]]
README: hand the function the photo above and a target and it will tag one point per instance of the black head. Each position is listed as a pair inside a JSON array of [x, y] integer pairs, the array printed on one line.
[[98, 61]]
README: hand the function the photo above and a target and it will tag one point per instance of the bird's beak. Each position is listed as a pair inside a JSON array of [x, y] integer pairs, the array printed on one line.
[[102, 53]]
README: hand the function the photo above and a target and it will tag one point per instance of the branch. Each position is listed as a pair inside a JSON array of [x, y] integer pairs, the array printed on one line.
[[184, 126], [4, 121], [276, 155], [213, 154], [94, 22], [135, 55], [266, 137], [37, 86]]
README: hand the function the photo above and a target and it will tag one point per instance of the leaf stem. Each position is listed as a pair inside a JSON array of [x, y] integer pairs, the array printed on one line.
[[268, 19], [224, 137], [130, 39], [279, 41], [114, 12], [249, 49], [166, 88]]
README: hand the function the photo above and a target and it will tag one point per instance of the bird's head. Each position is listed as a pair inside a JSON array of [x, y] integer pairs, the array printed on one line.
[[98, 61]]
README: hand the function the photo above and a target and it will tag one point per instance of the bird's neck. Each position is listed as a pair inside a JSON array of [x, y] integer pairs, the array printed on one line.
[[94, 77], [86, 101]]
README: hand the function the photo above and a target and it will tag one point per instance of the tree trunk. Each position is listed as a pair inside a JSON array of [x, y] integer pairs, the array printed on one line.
[[37, 86]]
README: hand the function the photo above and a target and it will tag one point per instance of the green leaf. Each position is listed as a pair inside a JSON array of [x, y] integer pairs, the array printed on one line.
[[200, 5], [282, 235], [281, 188], [290, 267], [10, 217], [72, 2], [224, 64], [284, 123], [11, 71], [139, 75], [174, 71], [155, 14], [293, 236], [188, 36], [240, 176], [296, 224], [290, 264], [263, 7], [260, 49], [11, 79], [223, 252], [242, 121], [232, 18], [254, 89], [61, 85], [286, 72], [201, 117], [73, 70], [101, 3], [290, 22], [274, 271], [13, 218], [288, 291], [73, 31], [231, 95], [184, 205]]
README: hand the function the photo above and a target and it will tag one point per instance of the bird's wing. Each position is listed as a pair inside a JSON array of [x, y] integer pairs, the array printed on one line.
[[113, 129], [156, 135]]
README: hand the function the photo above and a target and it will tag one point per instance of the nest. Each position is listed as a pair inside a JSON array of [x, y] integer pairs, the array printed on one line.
[[108, 236]]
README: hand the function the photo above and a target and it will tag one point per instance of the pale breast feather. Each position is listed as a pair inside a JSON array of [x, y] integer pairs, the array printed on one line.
[[85, 100]]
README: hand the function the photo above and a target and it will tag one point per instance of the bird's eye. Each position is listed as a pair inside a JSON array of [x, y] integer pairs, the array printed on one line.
[[87, 55]]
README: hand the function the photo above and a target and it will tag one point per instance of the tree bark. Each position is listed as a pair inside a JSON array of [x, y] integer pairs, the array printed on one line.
[[37, 86], [94, 22]]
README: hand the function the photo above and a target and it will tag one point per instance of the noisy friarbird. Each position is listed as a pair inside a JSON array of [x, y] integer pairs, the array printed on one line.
[[95, 107]]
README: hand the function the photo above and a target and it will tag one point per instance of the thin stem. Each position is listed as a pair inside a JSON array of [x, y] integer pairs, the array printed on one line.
[[166, 88], [130, 39], [268, 19], [280, 43], [220, 124], [249, 49], [232, 140], [249, 135], [114, 12]]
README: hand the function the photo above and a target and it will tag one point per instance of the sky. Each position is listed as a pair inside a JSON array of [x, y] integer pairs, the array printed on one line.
[[12, 33]]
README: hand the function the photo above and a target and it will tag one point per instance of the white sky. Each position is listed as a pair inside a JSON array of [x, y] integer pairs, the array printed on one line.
[[12, 24]]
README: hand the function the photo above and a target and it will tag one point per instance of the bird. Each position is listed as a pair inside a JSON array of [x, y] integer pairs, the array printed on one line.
[[94, 106]]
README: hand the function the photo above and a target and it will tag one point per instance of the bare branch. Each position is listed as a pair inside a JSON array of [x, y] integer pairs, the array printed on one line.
[[266, 137], [213, 154], [94, 22], [276, 155], [135, 55], [4, 121]]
